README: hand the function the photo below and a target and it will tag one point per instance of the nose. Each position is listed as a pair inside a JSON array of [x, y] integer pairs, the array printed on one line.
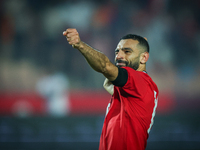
[[120, 55]]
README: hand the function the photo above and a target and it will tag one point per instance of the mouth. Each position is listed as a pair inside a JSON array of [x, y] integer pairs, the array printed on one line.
[[121, 63]]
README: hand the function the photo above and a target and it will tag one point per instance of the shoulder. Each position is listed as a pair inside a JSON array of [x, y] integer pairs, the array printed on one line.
[[138, 78], [141, 74], [135, 74]]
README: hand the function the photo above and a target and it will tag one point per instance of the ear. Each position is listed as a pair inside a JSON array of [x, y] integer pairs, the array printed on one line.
[[145, 38], [144, 57]]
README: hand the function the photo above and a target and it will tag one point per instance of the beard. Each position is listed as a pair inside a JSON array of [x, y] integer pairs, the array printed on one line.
[[133, 64]]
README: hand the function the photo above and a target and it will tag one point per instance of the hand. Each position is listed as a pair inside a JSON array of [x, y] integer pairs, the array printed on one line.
[[72, 37], [108, 86]]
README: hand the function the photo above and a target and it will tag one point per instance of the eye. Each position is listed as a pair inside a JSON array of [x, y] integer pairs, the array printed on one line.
[[127, 51], [116, 52]]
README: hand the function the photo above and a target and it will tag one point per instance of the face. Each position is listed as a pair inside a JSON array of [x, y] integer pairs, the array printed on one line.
[[127, 54]]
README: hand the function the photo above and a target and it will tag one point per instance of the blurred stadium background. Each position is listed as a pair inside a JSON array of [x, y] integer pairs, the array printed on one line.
[[51, 99]]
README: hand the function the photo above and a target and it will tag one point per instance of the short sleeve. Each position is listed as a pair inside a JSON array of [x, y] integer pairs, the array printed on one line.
[[121, 78]]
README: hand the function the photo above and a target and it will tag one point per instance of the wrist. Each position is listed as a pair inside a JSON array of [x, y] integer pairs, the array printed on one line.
[[79, 46]]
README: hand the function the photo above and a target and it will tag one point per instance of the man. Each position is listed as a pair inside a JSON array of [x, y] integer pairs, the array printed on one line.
[[131, 110]]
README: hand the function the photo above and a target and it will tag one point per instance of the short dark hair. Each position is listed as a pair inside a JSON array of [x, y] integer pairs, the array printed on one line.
[[142, 41]]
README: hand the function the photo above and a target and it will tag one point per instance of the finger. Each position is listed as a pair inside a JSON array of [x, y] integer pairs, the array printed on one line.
[[72, 34], [73, 42], [69, 30], [64, 33], [72, 38]]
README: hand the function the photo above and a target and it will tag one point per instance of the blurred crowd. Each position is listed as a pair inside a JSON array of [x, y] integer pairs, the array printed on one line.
[[32, 45]]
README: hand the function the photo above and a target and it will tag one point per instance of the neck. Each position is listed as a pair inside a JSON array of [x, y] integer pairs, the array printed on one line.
[[142, 67]]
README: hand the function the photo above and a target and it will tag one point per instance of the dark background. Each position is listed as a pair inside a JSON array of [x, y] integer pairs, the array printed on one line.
[[50, 98]]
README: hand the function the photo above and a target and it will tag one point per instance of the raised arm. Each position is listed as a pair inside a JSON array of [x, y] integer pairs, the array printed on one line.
[[96, 59]]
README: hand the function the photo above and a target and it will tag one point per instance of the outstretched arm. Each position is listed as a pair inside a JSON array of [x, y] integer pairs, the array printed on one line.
[[96, 59]]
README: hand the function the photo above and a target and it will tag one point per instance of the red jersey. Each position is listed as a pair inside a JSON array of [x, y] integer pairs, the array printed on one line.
[[130, 113]]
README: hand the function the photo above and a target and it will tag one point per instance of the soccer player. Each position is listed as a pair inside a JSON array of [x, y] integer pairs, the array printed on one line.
[[131, 111]]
